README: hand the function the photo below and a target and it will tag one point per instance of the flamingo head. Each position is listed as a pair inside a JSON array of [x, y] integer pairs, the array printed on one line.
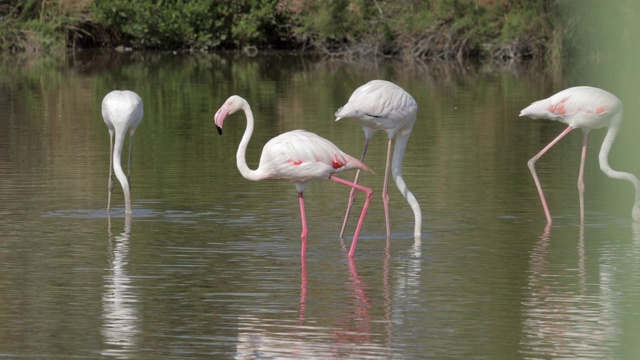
[[233, 104]]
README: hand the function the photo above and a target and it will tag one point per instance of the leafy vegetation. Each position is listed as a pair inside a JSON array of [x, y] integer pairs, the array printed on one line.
[[36, 26], [445, 29], [433, 29], [197, 24]]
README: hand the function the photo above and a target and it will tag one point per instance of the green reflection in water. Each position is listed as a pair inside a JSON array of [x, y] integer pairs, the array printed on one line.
[[209, 253]]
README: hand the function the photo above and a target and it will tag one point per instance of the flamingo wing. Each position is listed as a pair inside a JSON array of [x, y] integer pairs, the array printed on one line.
[[582, 106], [300, 155]]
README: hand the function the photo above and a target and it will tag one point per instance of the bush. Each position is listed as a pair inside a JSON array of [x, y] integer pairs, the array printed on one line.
[[436, 28], [196, 24], [445, 29], [34, 26]]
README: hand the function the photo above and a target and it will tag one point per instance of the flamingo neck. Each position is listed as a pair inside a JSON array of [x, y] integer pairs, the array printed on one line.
[[117, 169], [607, 143], [241, 159], [402, 139]]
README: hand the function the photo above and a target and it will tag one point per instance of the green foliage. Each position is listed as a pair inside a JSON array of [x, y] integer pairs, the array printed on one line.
[[196, 24], [410, 18], [333, 22], [35, 26], [253, 22], [435, 28], [409, 28], [160, 24], [336, 20]]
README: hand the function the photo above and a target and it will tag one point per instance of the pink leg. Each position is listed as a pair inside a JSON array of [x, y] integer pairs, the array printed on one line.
[[369, 193], [532, 168], [581, 177], [352, 193], [303, 235], [385, 192]]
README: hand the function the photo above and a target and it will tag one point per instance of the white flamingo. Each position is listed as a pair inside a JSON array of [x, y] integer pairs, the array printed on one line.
[[122, 111], [586, 108], [383, 105], [297, 156]]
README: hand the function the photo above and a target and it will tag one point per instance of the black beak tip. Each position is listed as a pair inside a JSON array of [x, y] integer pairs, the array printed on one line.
[[219, 129]]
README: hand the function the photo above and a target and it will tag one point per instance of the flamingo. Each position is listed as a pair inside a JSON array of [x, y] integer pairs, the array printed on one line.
[[122, 111], [383, 105], [297, 156], [586, 108]]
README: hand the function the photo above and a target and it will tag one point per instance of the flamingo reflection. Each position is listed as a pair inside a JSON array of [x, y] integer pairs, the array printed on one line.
[[562, 314], [355, 326], [400, 298], [262, 338], [303, 290], [121, 323]]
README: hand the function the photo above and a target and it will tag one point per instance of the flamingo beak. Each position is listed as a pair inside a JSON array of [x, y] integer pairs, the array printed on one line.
[[219, 117]]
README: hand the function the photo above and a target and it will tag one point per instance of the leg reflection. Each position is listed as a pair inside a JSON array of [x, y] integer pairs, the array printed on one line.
[[355, 326], [564, 315], [303, 290]]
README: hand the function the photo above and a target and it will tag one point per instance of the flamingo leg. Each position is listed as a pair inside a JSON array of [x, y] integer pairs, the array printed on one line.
[[581, 177], [352, 193], [303, 235], [129, 162], [110, 186], [369, 194], [532, 168], [385, 192]]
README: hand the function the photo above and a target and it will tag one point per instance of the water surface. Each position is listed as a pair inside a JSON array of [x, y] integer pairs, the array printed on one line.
[[209, 264]]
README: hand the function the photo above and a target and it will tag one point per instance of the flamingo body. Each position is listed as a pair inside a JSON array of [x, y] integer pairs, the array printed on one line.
[[297, 156], [383, 105], [122, 112], [586, 108], [581, 107]]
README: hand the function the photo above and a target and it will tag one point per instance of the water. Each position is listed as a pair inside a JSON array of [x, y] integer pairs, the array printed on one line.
[[209, 264]]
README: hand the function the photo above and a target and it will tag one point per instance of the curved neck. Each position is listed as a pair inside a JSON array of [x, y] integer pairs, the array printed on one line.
[[396, 171], [241, 160], [117, 169], [607, 143]]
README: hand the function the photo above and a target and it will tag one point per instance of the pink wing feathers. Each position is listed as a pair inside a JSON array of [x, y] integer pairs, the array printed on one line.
[[582, 106], [301, 155]]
